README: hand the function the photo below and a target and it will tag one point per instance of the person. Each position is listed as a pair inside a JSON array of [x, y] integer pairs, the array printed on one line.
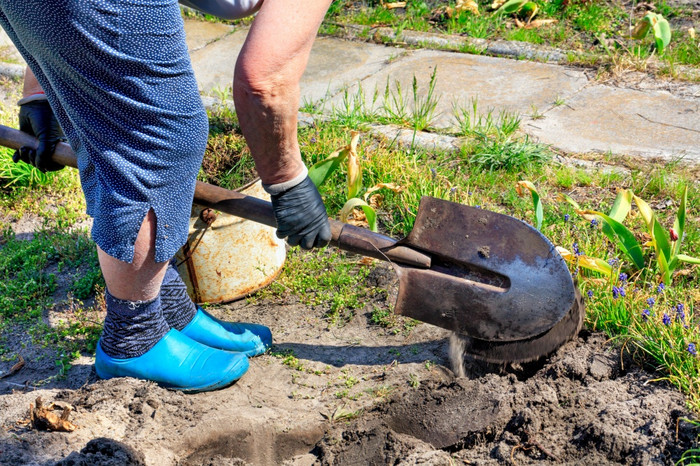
[[117, 76]]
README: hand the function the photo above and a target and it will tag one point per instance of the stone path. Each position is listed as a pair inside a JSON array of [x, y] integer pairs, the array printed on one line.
[[559, 105], [578, 115]]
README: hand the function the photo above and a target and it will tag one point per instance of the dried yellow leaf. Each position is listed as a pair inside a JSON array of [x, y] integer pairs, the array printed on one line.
[[538, 22], [392, 5], [467, 5], [497, 4]]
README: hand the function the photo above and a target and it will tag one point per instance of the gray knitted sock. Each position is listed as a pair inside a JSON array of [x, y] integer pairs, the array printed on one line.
[[178, 308], [132, 328]]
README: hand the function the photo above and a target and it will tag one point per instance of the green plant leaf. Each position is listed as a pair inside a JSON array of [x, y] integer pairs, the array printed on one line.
[[666, 272], [536, 202], [351, 204], [645, 210], [622, 205], [679, 222], [661, 242], [623, 237], [511, 6], [321, 171], [662, 33], [688, 259]]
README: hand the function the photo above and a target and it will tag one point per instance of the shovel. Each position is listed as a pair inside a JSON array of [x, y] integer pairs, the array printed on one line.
[[491, 278]]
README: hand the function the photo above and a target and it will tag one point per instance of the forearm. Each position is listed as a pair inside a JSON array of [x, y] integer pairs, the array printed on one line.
[[31, 85], [266, 84]]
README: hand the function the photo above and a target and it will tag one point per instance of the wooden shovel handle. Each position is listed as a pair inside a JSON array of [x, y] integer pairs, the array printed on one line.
[[346, 237]]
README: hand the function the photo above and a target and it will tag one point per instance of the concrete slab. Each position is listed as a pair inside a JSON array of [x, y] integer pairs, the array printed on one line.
[[497, 83], [333, 64], [623, 121], [214, 63], [201, 33]]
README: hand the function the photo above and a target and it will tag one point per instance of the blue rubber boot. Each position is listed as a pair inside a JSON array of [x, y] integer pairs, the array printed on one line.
[[249, 339], [177, 362]]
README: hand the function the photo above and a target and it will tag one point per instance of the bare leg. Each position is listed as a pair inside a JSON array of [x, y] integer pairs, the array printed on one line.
[[140, 280], [266, 83]]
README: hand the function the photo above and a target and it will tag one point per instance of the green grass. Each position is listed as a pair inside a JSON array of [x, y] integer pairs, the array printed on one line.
[[329, 282], [578, 27]]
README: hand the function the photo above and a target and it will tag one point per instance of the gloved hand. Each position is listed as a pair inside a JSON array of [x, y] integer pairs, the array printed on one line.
[[301, 216], [37, 118]]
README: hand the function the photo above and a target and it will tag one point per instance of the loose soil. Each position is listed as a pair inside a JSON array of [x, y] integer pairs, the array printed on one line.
[[358, 394]]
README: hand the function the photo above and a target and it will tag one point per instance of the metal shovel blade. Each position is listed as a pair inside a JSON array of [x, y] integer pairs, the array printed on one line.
[[492, 277]]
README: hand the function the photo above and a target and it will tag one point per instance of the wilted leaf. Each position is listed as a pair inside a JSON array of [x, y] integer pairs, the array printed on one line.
[[370, 214], [538, 23], [497, 4], [587, 262], [391, 186], [354, 168], [641, 29], [44, 418], [467, 5], [392, 5]]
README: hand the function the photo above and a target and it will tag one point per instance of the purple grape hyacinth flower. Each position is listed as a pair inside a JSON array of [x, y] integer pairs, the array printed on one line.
[[651, 301], [594, 223], [613, 261], [566, 217], [666, 319], [646, 313], [589, 293], [618, 292], [660, 288], [623, 277], [692, 349], [680, 314]]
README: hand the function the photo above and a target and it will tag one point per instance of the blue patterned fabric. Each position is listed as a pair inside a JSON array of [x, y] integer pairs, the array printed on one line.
[[118, 75]]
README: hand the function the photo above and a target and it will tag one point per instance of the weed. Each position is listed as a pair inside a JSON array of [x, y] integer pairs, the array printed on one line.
[[413, 381], [472, 122], [508, 153]]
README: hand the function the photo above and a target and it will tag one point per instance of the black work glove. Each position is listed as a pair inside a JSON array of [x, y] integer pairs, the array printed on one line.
[[37, 118], [301, 216]]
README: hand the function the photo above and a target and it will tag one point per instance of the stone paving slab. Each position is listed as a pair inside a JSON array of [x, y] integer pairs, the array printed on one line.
[[496, 83], [214, 64], [200, 33], [333, 63], [623, 121]]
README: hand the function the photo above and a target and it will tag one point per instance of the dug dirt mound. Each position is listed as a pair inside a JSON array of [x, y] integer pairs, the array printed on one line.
[[579, 407]]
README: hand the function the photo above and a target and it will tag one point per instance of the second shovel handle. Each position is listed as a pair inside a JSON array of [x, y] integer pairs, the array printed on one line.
[[346, 237]]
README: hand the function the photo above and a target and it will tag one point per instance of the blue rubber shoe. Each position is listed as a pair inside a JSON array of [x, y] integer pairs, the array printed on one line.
[[177, 362], [249, 339]]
